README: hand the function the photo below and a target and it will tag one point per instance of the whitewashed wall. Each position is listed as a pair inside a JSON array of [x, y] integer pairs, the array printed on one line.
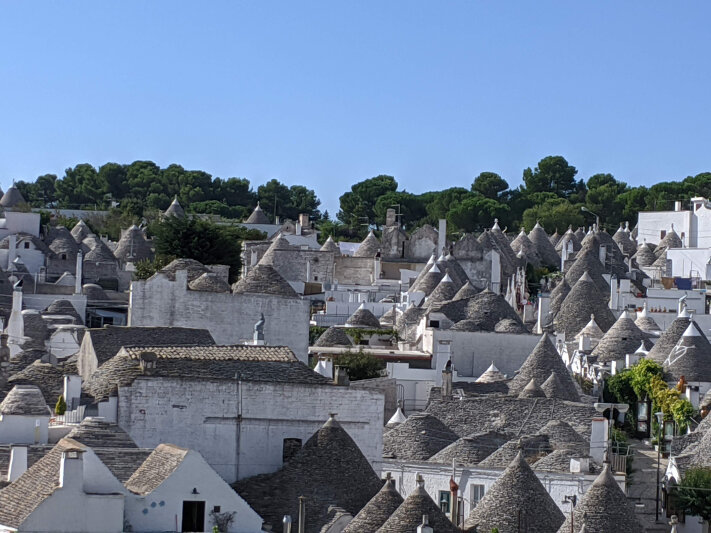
[[16, 429], [203, 415]]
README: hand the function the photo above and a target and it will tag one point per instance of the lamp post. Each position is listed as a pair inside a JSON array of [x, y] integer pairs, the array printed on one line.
[[572, 500], [597, 218], [660, 421]]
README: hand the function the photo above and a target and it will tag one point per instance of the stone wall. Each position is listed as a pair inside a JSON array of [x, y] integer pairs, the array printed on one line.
[[354, 270], [240, 431], [230, 318]]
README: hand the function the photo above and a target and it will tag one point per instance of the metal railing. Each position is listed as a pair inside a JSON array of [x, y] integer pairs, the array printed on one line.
[[70, 417]]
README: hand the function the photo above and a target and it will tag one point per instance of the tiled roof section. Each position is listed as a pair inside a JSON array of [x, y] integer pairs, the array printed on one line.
[[554, 387], [456, 271], [443, 292], [428, 282], [175, 209], [409, 515], [584, 299], [467, 291], [588, 261], [533, 448], [34, 453], [369, 247], [507, 325], [523, 246], [555, 237], [12, 198], [559, 461], [486, 309], [123, 369], [94, 292], [264, 279], [133, 246], [24, 358], [330, 470], [194, 268], [532, 390], [390, 316], [667, 341], [237, 352], [407, 322], [472, 449], [506, 413], [691, 357], [517, 501], [561, 435], [363, 318], [696, 450], [418, 438], [107, 341], [24, 400], [544, 247], [96, 432], [257, 216], [543, 361], [19, 499], [48, 378], [334, 336], [568, 236], [623, 240], [377, 511], [644, 255], [491, 375], [122, 462], [623, 338], [209, 282], [159, 466], [80, 231], [604, 507], [97, 250]]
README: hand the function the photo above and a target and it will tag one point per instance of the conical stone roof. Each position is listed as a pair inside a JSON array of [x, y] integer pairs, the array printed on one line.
[[363, 318], [561, 436], [12, 198], [133, 246], [604, 508], [508, 325], [334, 336], [644, 255], [517, 501], [580, 234], [175, 209], [532, 390], [209, 282], [443, 292], [591, 330], [645, 322], [471, 450], [670, 240], [421, 274], [279, 243], [428, 282], [456, 271], [623, 338], [80, 231], [554, 387], [522, 245], [623, 240], [418, 438], [668, 340], [555, 237], [539, 365], [257, 216], [588, 260], [558, 295], [563, 241], [377, 511], [546, 250], [369, 247], [409, 515], [491, 375], [331, 246], [467, 291], [691, 357], [329, 470], [584, 300], [264, 279]]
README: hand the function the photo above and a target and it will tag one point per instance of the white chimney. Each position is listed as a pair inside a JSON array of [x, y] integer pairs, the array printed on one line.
[[677, 205], [71, 471], [603, 254], [579, 465], [442, 236], [18, 462], [79, 273], [11, 249], [598, 438], [72, 389], [584, 343]]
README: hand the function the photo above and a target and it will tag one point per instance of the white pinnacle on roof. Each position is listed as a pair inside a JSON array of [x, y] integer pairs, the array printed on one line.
[[643, 312], [537, 225], [586, 277], [491, 375], [446, 278], [684, 313], [496, 224], [431, 261], [642, 349], [691, 331], [440, 258], [435, 269], [398, 418]]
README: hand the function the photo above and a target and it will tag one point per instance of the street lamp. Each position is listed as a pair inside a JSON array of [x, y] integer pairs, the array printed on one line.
[[597, 218], [660, 421], [572, 500]]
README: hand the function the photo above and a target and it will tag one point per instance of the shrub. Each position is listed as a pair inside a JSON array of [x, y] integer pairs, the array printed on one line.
[[61, 406]]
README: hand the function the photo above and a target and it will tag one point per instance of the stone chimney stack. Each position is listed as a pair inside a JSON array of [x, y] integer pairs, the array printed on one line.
[[18, 462], [390, 217], [340, 377], [79, 273], [148, 362], [447, 380]]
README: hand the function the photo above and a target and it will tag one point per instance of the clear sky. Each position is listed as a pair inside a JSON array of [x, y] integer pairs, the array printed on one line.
[[328, 93]]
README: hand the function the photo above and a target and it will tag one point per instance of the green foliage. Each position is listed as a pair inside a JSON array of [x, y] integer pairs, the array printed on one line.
[[146, 268], [61, 406], [360, 365], [358, 205], [490, 185], [203, 241], [552, 174], [314, 333], [552, 214], [641, 376], [693, 495]]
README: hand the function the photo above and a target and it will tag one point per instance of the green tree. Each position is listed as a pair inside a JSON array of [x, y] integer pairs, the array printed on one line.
[[274, 193], [302, 200], [61, 406], [358, 205], [553, 213], [553, 174], [114, 175], [693, 495], [411, 207], [439, 203], [360, 365], [476, 212], [489, 185]]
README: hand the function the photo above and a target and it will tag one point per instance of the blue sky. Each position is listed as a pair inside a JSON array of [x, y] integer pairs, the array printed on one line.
[[328, 93]]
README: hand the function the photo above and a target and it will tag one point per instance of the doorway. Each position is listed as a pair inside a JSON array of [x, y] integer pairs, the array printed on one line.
[[193, 516]]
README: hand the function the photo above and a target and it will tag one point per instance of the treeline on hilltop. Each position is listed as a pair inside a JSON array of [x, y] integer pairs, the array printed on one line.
[[551, 193]]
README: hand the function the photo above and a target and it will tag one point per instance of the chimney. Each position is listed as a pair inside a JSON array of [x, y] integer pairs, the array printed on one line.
[[425, 527], [304, 220], [603, 254], [72, 391], [598, 438], [18, 462], [447, 380], [584, 344], [71, 471], [147, 362], [297, 228], [580, 465], [11, 249], [677, 205], [340, 376], [442, 236], [258, 339], [79, 273], [390, 217]]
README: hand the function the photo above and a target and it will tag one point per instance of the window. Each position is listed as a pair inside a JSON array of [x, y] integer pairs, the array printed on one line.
[[476, 493], [63, 256], [216, 509], [434, 323], [315, 278], [290, 448], [444, 500], [27, 246]]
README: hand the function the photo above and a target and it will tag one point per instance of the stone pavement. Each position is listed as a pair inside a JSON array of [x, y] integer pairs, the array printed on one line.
[[642, 486]]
